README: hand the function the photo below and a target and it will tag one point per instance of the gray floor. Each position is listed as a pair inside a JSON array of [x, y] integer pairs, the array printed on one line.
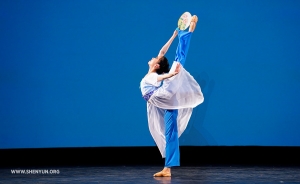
[[143, 174]]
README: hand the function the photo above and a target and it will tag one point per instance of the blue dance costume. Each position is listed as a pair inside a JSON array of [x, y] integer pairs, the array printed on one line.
[[170, 117]]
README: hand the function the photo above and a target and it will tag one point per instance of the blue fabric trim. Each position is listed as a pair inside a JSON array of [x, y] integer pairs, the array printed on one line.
[[148, 95]]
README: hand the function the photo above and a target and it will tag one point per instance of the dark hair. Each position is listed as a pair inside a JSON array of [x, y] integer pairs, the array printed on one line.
[[163, 65]]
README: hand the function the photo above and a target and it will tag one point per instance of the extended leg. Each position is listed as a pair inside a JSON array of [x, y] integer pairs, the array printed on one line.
[[172, 142], [183, 46], [170, 116], [184, 41]]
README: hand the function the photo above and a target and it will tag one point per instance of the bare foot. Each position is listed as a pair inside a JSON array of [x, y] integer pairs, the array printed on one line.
[[193, 23], [166, 172]]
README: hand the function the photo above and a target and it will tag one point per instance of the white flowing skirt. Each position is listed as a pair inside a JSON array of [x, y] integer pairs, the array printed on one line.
[[180, 92]]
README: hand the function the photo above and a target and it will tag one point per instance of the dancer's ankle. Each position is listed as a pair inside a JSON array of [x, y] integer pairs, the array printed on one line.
[[193, 23], [167, 169]]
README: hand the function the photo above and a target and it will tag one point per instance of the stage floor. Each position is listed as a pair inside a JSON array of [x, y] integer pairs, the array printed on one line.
[[143, 174]]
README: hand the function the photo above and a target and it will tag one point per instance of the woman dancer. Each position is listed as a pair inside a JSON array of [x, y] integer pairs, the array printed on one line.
[[179, 90]]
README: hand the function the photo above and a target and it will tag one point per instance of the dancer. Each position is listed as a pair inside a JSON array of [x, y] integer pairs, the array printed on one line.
[[170, 116], [178, 91]]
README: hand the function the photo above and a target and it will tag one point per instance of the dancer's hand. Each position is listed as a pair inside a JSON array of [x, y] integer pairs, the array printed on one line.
[[177, 69], [175, 33]]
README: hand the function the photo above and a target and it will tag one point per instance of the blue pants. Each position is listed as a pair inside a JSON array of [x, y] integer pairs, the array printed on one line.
[[170, 117]]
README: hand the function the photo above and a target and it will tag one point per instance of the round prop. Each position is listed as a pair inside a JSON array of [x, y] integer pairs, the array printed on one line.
[[184, 20]]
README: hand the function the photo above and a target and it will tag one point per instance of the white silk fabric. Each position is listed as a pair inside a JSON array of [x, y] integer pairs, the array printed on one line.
[[180, 92]]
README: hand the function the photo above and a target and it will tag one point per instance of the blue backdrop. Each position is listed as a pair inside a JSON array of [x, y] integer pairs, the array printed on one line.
[[70, 71]]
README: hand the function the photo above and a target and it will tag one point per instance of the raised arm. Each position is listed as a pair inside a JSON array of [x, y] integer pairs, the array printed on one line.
[[165, 48]]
